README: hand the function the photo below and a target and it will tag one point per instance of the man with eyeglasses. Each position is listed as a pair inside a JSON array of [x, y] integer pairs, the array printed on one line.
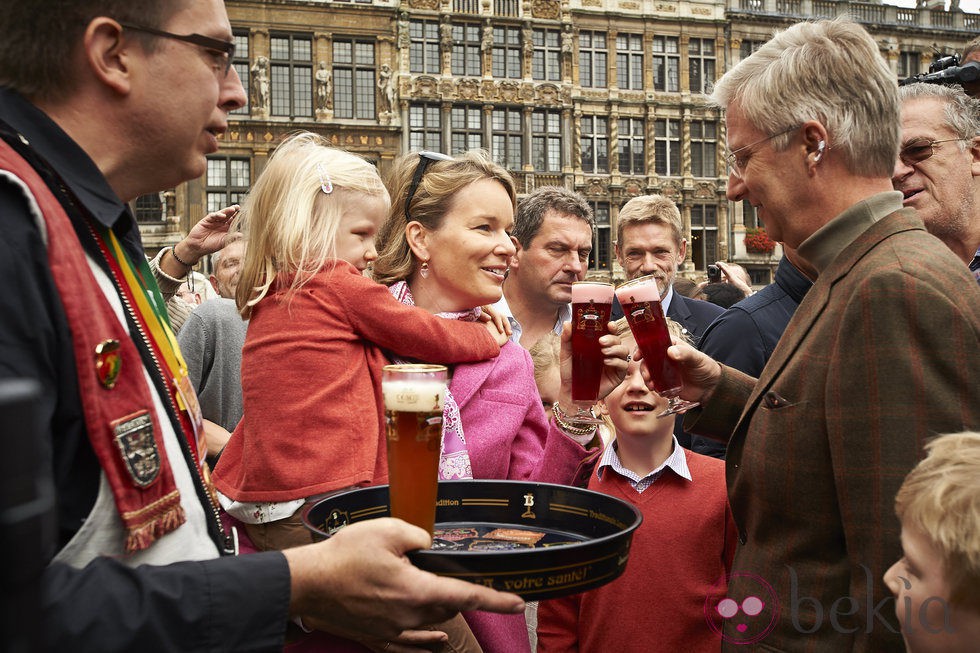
[[102, 101], [881, 354], [938, 165]]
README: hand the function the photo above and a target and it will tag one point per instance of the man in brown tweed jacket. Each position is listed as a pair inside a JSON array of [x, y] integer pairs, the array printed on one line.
[[883, 353]]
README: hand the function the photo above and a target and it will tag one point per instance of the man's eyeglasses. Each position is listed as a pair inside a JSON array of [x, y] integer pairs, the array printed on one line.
[[920, 149], [425, 159], [225, 50], [737, 162]]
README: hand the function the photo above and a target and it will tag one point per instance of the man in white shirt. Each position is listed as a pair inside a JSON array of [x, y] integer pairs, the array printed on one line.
[[553, 234]]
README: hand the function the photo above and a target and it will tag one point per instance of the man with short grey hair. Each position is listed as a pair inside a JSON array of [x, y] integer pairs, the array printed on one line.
[[211, 340], [553, 234], [881, 354], [938, 165], [649, 240]]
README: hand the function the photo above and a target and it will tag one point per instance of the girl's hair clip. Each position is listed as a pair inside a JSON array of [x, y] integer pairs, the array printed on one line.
[[325, 184]]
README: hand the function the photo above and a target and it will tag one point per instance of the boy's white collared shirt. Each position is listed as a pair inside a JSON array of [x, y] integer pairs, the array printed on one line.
[[676, 461]]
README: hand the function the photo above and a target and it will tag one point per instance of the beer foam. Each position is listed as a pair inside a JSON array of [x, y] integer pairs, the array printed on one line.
[[584, 292], [630, 293], [414, 396]]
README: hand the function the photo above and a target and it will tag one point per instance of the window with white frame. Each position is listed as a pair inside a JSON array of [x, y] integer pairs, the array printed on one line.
[[546, 140], [354, 79], [593, 58], [240, 63], [545, 57], [601, 255], [701, 64], [291, 76], [632, 151], [467, 128], [507, 52], [507, 137], [666, 64], [667, 147], [704, 235], [466, 57], [704, 148], [228, 181], [629, 61], [423, 48], [595, 144], [424, 127]]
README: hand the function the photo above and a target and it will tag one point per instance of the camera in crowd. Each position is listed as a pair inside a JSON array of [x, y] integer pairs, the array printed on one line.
[[947, 70], [714, 273]]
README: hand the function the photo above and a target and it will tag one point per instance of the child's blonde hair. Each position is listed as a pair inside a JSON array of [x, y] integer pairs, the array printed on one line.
[[291, 215], [940, 498]]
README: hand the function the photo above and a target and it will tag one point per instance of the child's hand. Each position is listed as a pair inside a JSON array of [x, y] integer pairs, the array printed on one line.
[[496, 324]]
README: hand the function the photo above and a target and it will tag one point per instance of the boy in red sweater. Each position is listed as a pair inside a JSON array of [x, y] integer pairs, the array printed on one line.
[[680, 555]]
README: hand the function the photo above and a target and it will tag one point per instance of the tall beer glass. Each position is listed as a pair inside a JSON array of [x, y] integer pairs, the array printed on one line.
[[414, 396], [591, 307], [640, 299]]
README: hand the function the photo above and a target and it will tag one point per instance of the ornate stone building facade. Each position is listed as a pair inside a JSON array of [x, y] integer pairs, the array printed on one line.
[[607, 97]]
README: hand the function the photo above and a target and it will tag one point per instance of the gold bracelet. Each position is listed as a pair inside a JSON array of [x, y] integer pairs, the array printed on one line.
[[561, 419]]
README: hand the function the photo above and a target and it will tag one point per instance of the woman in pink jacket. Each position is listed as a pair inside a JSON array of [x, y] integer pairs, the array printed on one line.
[[445, 247]]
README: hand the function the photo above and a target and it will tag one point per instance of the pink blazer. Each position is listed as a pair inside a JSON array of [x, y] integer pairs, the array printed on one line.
[[509, 436]]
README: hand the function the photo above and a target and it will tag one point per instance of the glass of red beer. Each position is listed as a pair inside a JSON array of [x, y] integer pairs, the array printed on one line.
[[640, 299], [414, 396], [591, 307]]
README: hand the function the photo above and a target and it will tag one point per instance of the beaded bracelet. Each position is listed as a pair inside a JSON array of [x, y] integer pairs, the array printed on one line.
[[173, 252], [561, 419]]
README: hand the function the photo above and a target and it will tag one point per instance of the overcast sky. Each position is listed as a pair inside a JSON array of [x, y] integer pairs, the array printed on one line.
[[969, 6]]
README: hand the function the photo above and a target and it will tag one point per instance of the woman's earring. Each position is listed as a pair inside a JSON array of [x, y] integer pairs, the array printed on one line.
[[424, 270]]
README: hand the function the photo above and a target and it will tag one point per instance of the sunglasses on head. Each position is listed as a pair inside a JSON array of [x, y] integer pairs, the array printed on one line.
[[426, 158]]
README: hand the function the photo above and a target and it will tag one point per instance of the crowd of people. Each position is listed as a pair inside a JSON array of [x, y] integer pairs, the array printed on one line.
[[836, 431]]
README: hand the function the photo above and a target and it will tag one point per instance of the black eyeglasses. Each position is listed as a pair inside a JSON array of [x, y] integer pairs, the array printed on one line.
[[223, 49], [920, 149], [425, 159]]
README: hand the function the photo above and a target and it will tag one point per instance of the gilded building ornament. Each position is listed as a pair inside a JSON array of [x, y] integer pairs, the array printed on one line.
[[548, 94], [704, 190], [508, 91], [424, 4], [426, 87], [468, 89], [548, 9]]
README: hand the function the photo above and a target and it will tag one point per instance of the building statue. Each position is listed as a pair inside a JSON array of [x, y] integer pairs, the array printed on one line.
[[386, 84], [260, 84], [324, 87]]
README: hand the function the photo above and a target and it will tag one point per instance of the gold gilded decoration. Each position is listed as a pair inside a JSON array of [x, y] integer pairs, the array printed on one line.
[[549, 94], [632, 187], [528, 504], [546, 9], [704, 191], [424, 4], [629, 5], [665, 7], [700, 11], [426, 87], [509, 91], [468, 89]]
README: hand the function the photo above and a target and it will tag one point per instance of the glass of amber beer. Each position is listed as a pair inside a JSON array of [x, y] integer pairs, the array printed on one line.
[[591, 306], [640, 299], [414, 396]]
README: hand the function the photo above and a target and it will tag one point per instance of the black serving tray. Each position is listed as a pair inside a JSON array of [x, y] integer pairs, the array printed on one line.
[[537, 540]]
